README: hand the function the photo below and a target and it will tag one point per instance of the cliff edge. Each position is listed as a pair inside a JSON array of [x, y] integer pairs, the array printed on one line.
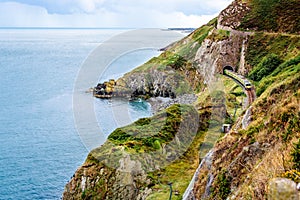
[[154, 156]]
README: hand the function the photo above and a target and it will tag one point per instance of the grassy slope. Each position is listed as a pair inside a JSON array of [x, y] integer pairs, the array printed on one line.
[[276, 117], [273, 16], [265, 46], [152, 134]]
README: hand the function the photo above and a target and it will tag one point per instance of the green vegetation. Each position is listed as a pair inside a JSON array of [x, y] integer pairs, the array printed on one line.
[[291, 122], [265, 67], [213, 22], [273, 16], [179, 172], [293, 175], [234, 99], [264, 44], [176, 62], [274, 57], [171, 59], [296, 156], [143, 121], [287, 69], [188, 47], [149, 133], [154, 135], [221, 188], [219, 35]]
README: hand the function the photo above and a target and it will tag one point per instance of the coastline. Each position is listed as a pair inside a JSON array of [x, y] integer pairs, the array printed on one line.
[[159, 103]]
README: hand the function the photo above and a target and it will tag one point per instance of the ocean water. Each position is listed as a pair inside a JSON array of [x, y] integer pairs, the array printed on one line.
[[40, 148]]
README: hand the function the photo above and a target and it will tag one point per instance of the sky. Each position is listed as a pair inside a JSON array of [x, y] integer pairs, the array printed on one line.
[[109, 13]]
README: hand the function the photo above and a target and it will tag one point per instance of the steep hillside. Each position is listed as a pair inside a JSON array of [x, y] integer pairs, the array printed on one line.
[[262, 15], [145, 159], [245, 161]]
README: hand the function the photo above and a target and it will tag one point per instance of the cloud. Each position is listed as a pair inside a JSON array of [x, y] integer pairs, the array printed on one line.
[[63, 6], [109, 13], [22, 15], [187, 7]]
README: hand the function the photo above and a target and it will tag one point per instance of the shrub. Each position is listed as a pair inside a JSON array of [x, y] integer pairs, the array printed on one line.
[[293, 175], [223, 182], [143, 121], [156, 144], [286, 64], [119, 136], [267, 65], [272, 15], [288, 68], [296, 156], [176, 61]]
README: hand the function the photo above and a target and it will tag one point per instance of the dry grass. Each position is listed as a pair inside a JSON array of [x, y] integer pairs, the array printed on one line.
[[272, 165]]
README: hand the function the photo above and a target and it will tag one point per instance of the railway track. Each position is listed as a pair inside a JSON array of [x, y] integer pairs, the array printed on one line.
[[250, 95], [243, 82]]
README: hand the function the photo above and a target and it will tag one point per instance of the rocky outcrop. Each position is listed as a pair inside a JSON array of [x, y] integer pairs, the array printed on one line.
[[192, 189], [282, 189], [128, 181], [152, 83], [213, 55], [159, 104], [231, 17]]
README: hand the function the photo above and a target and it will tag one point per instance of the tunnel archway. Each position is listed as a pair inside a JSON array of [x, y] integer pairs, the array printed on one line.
[[228, 67]]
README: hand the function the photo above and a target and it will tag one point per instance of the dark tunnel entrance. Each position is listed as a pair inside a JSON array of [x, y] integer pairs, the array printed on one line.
[[228, 67]]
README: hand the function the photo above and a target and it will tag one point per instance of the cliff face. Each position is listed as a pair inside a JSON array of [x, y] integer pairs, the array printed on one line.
[[140, 160], [189, 65], [97, 181]]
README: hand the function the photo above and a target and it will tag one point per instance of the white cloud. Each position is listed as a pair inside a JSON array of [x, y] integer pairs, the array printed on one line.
[[109, 13], [21, 15], [88, 6]]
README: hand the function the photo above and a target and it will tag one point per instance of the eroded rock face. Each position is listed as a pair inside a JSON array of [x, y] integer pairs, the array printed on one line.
[[152, 83], [91, 180], [246, 120], [212, 56], [230, 18], [129, 177]]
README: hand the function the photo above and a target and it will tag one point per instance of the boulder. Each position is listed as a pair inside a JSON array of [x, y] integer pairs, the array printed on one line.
[[282, 189]]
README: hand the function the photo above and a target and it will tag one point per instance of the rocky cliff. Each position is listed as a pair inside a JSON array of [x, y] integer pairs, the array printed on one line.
[[153, 155]]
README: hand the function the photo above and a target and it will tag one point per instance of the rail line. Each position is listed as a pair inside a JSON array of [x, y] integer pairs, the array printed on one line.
[[248, 88]]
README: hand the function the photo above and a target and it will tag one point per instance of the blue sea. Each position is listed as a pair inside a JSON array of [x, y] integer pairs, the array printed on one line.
[[40, 148]]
